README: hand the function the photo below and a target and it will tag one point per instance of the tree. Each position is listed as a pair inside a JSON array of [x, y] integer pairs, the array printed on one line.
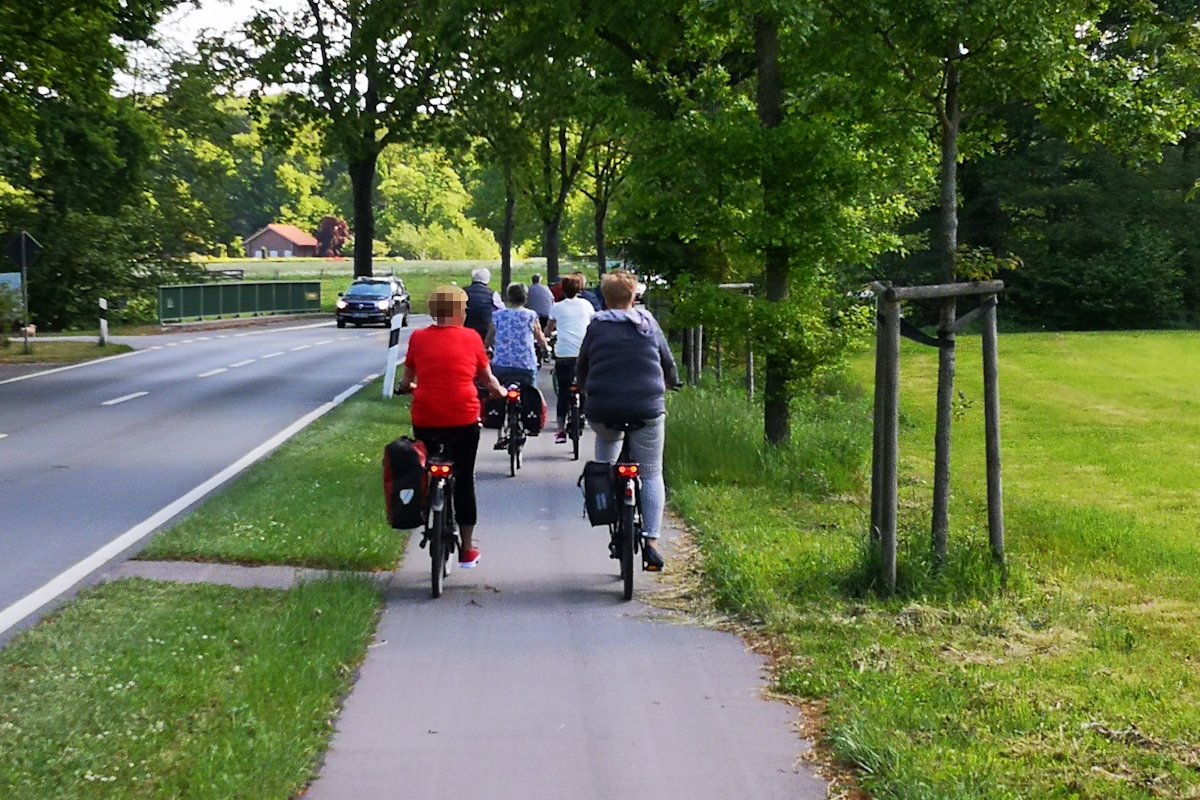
[[963, 59], [773, 159], [605, 176], [369, 72]]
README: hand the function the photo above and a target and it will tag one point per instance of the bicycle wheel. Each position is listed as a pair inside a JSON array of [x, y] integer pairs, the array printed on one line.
[[437, 553], [627, 534], [573, 429]]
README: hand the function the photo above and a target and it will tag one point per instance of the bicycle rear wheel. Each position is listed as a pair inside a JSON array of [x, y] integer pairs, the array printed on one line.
[[627, 533], [573, 430], [437, 553]]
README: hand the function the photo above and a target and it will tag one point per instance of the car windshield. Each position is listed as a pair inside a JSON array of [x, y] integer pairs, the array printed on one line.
[[369, 290]]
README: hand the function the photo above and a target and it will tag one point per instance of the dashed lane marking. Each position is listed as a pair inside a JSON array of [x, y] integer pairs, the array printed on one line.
[[243, 363], [212, 372], [301, 347], [276, 354], [126, 398], [3, 435], [323, 341]]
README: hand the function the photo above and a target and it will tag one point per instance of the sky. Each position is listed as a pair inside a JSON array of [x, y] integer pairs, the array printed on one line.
[[180, 29]]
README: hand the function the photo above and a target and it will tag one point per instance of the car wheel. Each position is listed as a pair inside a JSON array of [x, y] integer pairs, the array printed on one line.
[[341, 323]]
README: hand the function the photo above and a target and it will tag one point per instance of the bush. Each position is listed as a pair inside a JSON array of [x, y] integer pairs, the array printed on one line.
[[10, 307]]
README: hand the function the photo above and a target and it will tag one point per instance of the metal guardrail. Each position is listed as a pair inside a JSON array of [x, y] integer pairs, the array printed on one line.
[[219, 300]]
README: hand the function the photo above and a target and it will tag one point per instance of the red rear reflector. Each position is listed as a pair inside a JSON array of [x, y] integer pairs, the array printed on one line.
[[514, 395], [627, 470], [440, 470]]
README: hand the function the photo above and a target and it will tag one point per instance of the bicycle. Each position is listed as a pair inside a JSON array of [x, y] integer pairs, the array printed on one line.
[[439, 531], [575, 420], [514, 428], [626, 532]]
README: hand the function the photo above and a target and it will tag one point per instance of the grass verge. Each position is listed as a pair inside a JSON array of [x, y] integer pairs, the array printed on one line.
[[153, 690], [1082, 681], [316, 502], [57, 352]]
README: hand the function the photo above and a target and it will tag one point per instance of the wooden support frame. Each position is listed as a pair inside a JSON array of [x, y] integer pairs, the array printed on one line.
[[885, 444]]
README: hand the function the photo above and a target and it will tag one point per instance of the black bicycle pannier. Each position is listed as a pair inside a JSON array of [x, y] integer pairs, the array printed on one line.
[[493, 412], [599, 483], [533, 409], [404, 483]]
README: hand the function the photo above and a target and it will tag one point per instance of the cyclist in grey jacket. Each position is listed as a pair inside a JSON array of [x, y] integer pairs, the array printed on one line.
[[625, 368]]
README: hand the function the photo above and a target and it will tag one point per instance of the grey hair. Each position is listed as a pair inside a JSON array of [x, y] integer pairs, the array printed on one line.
[[483, 275]]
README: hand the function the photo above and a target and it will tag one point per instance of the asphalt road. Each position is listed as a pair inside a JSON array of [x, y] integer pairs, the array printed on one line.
[[530, 678], [88, 453]]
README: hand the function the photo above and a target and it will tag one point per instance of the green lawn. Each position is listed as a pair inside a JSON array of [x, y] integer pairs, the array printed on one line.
[[317, 502], [153, 690], [57, 352], [1083, 681]]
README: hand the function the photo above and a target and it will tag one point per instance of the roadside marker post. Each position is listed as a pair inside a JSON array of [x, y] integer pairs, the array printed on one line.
[[103, 322], [393, 356]]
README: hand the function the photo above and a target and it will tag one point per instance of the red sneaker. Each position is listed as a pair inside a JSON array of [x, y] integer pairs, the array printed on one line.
[[468, 559], [560, 437]]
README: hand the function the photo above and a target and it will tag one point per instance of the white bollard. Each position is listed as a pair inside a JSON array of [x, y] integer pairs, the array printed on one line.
[[393, 356], [103, 322]]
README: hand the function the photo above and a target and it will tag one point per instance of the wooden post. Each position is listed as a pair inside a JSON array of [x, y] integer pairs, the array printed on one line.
[[891, 445], [942, 437], [699, 351], [687, 357], [991, 400], [749, 371], [717, 357], [880, 417]]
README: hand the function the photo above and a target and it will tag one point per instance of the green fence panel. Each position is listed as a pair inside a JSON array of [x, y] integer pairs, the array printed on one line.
[[219, 300]]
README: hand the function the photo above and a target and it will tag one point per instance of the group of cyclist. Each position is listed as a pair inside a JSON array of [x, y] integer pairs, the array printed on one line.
[[613, 350]]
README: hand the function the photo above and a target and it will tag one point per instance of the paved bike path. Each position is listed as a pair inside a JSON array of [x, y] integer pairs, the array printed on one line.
[[529, 678]]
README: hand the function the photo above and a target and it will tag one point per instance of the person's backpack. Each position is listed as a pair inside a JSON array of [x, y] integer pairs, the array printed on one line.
[[599, 484], [404, 483]]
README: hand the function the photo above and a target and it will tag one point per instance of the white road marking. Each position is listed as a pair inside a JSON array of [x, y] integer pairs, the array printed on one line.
[[243, 363], [172, 344], [273, 355], [203, 338], [157, 347], [3, 435], [301, 347], [65, 580], [222, 335], [371, 377], [71, 366], [212, 372], [118, 400], [187, 341], [323, 341]]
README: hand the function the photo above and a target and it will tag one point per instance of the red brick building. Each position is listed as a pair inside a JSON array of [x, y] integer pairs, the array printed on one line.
[[281, 241]]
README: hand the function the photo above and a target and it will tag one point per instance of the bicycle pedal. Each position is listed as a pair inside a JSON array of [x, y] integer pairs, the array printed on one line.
[[651, 567]]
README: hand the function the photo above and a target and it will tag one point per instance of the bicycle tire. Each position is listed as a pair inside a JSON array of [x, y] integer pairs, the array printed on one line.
[[627, 534], [573, 431], [437, 554]]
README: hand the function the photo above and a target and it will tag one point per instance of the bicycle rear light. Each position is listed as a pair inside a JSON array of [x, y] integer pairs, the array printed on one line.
[[627, 470], [514, 395], [440, 470]]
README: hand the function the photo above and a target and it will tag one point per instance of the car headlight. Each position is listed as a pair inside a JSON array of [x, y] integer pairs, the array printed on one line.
[[382, 305], [340, 304]]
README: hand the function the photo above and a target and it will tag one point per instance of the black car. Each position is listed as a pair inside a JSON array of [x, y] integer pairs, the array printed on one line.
[[373, 300]]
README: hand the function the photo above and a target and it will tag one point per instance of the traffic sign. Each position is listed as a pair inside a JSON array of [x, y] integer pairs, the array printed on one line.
[[23, 249]]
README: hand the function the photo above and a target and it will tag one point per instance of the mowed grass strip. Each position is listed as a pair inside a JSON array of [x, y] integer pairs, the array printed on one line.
[[55, 353], [316, 502], [139, 689], [1083, 679]]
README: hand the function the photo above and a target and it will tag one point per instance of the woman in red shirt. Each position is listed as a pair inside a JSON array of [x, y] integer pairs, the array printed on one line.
[[444, 365]]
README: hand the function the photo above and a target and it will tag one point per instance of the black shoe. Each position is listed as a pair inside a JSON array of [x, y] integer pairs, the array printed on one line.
[[500, 444], [652, 560], [614, 548]]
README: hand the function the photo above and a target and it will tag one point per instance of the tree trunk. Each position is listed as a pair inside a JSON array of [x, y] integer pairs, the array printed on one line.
[[510, 223], [601, 245], [550, 249], [362, 185], [777, 258], [947, 255]]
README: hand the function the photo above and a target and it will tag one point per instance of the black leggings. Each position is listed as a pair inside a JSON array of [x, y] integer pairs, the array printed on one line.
[[564, 370], [462, 444]]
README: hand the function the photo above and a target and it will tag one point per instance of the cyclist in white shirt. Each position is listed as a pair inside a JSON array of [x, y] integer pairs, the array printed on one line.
[[570, 317]]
